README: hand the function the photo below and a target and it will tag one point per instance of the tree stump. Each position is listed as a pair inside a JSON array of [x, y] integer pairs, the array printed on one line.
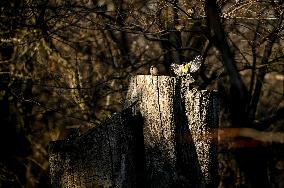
[[165, 137], [110, 155], [180, 130]]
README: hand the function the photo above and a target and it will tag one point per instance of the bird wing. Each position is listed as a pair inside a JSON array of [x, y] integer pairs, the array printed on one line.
[[176, 68], [195, 64]]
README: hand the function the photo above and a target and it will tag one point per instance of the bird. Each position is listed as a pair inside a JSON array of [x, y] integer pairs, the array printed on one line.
[[154, 71], [188, 67]]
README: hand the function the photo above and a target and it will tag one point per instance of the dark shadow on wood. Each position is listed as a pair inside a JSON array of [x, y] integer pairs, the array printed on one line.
[[189, 170]]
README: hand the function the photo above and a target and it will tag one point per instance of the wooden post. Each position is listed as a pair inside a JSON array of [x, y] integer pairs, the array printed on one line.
[[197, 137], [180, 130], [154, 96], [110, 155], [165, 137]]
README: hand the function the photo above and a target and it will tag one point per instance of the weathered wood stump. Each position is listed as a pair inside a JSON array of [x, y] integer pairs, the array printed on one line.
[[165, 137], [105, 156], [179, 131]]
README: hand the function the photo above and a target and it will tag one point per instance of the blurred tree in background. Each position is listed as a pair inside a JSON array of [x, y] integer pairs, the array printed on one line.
[[66, 64]]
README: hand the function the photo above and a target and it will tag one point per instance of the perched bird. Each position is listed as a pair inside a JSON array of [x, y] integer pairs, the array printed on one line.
[[154, 71], [187, 68]]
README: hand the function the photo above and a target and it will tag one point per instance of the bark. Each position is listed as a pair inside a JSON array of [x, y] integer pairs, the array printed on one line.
[[165, 137]]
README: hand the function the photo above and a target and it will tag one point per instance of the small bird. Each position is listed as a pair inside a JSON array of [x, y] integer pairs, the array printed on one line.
[[188, 67], [154, 71]]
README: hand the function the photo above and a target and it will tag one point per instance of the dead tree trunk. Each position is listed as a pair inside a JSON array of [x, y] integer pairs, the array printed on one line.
[[165, 137]]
